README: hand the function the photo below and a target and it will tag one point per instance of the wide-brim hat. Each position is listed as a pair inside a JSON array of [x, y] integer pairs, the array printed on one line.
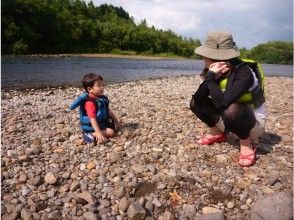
[[219, 45]]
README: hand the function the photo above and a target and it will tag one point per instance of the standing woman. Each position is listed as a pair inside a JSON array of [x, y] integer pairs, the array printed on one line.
[[230, 97]]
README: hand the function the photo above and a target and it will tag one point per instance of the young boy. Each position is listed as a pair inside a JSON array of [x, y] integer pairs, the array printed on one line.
[[97, 121]]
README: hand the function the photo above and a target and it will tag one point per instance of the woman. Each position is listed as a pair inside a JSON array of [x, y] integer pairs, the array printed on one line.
[[228, 109]]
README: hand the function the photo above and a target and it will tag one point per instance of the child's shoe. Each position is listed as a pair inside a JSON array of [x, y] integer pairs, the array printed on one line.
[[88, 138]]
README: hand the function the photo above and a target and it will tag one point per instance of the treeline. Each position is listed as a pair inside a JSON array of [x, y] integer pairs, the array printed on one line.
[[275, 52], [73, 26], [69, 26]]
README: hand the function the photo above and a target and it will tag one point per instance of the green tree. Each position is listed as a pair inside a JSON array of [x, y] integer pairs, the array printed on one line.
[[275, 52]]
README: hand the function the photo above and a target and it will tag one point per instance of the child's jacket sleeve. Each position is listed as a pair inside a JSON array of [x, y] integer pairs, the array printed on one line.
[[79, 100]]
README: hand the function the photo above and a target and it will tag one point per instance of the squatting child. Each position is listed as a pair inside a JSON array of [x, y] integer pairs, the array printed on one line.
[[98, 122]]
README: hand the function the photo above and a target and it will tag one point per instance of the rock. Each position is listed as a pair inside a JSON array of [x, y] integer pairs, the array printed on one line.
[[120, 192], [74, 185], [26, 214], [156, 202], [114, 156], [50, 178], [138, 168], [83, 167], [91, 165], [266, 190], [272, 179], [10, 216], [54, 215], [208, 210], [274, 206], [87, 196], [211, 216], [149, 205], [166, 216], [189, 211], [104, 203], [222, 158], [90, 216], [136, 211], [22, 178], [123, 204], [231, 204]]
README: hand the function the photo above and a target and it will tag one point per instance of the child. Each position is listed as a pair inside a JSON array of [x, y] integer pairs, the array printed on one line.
[[97, 121]]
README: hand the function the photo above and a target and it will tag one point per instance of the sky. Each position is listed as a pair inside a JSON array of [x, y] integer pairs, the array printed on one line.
[[251, 22]]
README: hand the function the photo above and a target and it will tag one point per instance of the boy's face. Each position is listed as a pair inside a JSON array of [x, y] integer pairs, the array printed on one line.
[[97, 89]]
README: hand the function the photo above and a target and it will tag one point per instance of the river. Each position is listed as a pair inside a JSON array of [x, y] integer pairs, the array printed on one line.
[[27, 72]]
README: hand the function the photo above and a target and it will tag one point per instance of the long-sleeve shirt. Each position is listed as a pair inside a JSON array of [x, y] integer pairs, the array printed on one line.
[[239, 82]]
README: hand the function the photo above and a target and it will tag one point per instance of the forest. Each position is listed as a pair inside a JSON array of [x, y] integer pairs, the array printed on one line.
[[74, 26]]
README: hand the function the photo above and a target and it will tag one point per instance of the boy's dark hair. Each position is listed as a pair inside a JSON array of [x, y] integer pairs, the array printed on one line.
[[89, 80]]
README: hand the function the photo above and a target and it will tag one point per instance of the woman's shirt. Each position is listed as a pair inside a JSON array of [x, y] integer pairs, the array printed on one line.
[[239, 82]]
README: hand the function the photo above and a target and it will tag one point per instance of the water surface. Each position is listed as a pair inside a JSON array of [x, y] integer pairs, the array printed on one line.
[[27, 72]]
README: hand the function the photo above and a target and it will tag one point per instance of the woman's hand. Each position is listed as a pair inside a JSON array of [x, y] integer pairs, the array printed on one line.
[[219, 68]]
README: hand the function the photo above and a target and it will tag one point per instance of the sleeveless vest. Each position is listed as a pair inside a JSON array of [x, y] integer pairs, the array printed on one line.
[[255, 97], [101, 103]]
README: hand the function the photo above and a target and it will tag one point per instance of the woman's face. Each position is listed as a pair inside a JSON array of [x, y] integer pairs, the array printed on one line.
[[207, 62]]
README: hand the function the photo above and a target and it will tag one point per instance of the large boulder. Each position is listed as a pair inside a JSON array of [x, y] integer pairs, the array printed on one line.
[[274, 206]]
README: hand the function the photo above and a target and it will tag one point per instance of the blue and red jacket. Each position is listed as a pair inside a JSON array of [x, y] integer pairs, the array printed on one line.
[[102, 104]]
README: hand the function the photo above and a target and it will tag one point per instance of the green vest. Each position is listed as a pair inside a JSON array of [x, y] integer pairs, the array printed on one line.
[[247, 97]]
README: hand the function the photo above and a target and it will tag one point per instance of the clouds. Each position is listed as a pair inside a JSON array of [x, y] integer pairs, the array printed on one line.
[[251, 22]]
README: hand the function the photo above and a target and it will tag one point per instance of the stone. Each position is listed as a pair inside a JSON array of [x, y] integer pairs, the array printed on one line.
[[266, 190], [120, 192], [87, 196], [138, 168], [231, 204], [50, 178], [189, 211], [105, 203], [272, 179], [91, 165], [26, 214], [136, 211], [149, 205], [211, 216], [156, 202], [208, 210], [54, 215], [166, 216], [74, 185], [274, 206], [123, 204], [10, 216], [114, 156], [90, 216], [222, 158]]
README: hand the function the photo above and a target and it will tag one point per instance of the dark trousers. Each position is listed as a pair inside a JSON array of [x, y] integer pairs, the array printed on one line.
[[238, 118]]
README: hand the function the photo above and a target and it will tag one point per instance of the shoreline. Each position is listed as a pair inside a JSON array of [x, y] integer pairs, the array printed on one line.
[[66, 86], [98, 55]]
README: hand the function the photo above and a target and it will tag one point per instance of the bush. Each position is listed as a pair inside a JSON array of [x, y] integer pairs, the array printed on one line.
[[19, 47]]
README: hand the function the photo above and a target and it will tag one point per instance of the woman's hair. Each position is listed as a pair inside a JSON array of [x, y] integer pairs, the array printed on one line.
[[235, 61], [90, 79]]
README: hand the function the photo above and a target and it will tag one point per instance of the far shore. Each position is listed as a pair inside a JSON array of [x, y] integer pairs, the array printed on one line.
[[101, 55]]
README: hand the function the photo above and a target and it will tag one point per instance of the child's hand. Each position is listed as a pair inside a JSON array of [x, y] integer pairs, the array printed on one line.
[[99, 136]]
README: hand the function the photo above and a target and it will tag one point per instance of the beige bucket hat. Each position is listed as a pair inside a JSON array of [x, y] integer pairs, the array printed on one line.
[[219, 45]]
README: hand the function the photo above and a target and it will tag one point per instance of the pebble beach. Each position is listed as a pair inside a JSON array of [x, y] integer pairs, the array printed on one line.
[[153, 168]]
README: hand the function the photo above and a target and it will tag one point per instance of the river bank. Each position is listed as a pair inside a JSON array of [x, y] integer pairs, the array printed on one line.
[[153, 168], [104, 55]]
